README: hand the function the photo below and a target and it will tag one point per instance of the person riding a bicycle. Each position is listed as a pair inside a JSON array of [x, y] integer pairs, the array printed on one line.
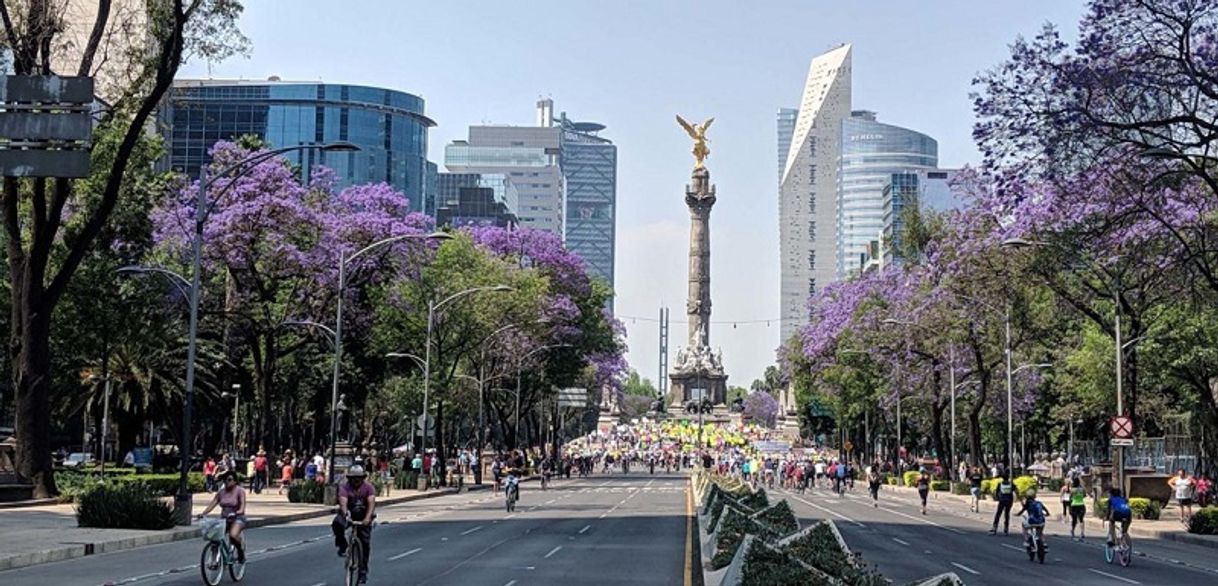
[[231, 500], [356, 504], [1035, 520], [1118, 510], [511, 484]]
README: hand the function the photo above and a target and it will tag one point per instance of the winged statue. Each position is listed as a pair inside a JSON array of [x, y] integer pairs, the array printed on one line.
[[698, 133]]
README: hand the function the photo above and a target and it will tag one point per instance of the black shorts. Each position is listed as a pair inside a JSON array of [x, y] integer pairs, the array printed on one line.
[[1078, 512], [1184, 502]]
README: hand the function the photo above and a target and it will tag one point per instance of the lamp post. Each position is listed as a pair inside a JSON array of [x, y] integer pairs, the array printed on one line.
[[236, 395], [105, 430], [519, 367], [481, 380], [432, 308]]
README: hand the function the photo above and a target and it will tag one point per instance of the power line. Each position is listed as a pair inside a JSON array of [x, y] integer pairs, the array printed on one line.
[[767, 322]]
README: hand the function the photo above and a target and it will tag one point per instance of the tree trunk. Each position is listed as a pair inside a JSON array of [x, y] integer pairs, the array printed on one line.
[[31, 345], [440, 454]]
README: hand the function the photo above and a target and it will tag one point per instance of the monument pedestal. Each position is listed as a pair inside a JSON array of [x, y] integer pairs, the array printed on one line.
[[607, 422], [682, 387]]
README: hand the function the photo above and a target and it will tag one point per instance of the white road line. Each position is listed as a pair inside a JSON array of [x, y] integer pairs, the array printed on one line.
[[585, 529], [967, 569], [320, 584], [927, 521], [901, 541], [603, 515], [650, 481], [553, 551], [468, 531], [551, 501], [510, 583], [830, 511], [1114, 576], [1009, 546], [402, 555]]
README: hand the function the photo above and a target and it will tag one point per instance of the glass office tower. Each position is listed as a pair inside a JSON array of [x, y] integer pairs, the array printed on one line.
[[389, 126]]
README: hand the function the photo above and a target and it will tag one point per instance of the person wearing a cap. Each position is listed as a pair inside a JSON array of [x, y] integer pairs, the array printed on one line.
[[356, 503]]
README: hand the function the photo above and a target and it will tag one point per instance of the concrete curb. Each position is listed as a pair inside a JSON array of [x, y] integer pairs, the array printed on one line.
[[1093, 523], [73, 551]]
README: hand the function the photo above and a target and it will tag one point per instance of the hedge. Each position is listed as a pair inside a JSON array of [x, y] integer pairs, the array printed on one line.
[[779, 518], [123, 506], [764, 565], [961, 488], [891, 480], [820, 549], [72, 485], [1143, 508], [309, 491], [940, 485], [911, 477], [730, 535], [1204, 521]]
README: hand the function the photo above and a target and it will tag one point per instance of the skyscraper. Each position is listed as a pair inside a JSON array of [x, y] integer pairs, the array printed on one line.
[[473, 199], [589, 166], [389, 127], [807, 215], [786, 129], [530, 156], [925, 189], [871, 153]]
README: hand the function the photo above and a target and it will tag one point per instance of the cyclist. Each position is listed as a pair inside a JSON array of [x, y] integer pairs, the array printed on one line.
[[511, 485], [1006, 498], [547, 472], [1037, 512], [1078, 508], [356, 503], [231, 500], [1118, 510]]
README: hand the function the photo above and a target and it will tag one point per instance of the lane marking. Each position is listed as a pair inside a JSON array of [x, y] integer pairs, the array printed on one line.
[[553, 551], [510, 583], [967, 569], [464, 562], [585, 529], [402, 555], [468, 531], [830, 511], [1114, 576], [901, 541], [320, 584], [1009, 546]]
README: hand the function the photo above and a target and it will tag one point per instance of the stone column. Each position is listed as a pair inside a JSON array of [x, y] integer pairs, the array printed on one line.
[[700, 197]]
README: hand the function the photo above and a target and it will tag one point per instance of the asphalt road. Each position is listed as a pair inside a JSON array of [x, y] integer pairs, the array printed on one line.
[[904, 545], [602, 530]]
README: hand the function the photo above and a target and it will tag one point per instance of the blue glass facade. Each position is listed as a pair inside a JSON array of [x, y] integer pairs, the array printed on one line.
[[389, 127], [871, 153], [589, 165]]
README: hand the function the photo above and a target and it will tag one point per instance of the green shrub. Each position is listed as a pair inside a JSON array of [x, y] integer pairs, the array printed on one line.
[[779, 518], [309, 491], [72, 485], [764, 565], [756, 500], [1054, 484], [165, 484], [911, 477], [1143, 508], [717, 508], [1022, 484], [940, 485], [1101, 508], [730, 535], [381, 485], [406, 479], [1204, 521], [961, 488], [123, 506], [819, 549], [988, 487], [891, 480]]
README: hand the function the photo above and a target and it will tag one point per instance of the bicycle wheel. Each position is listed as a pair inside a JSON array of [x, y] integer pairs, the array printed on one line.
[[1109, 550], [355, 553], [211, 564], [236, 570], [1126, 551], [1040, 550]]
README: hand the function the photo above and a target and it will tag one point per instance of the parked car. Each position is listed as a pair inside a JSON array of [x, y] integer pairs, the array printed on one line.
[[78, 460]]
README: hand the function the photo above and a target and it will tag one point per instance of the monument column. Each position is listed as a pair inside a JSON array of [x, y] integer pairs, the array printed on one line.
[[700, 197]]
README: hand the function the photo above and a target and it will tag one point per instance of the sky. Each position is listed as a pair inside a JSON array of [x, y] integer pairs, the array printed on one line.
[[632, 65]]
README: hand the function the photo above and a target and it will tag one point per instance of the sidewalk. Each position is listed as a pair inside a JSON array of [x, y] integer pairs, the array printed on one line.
[[1167, 527], [48, 533]]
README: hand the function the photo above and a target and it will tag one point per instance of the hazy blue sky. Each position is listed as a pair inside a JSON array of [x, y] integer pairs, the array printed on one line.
[[632, 65]]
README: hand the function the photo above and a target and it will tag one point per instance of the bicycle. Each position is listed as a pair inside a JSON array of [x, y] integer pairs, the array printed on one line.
[[355, 553], [1121, 550], [1035, 543], [219, 554], [512, 493]]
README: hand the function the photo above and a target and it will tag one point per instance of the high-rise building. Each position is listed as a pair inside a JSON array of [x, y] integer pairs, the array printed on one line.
[[530, 156], [786, 129], [589, 166], [871, 153], [475, 199], [925, 189], [807, 218], [389, 126]]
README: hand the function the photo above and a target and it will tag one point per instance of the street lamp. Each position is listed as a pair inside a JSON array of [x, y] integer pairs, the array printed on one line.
[[519, 367], [236, 395], [105, 431], [432, 307], [951, 380]]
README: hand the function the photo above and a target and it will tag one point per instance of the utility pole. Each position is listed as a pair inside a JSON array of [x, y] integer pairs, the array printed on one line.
[[662, 383]]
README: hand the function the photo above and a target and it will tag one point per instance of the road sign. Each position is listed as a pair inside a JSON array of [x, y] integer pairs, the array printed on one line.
[[1122, 441], [1121, 427], [572, 397], [849, 446], [425, 420]]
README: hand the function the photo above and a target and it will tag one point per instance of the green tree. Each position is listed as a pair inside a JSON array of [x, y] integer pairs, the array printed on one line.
[[639, 386]]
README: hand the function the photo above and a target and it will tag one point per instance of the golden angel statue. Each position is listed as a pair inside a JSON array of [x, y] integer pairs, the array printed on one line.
[[698, 133]]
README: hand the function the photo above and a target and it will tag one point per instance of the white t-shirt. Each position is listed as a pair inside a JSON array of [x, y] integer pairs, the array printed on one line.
[[1184, 488]]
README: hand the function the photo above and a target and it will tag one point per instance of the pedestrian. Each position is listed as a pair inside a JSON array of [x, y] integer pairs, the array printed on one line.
[[260, 471], [923, 485], [1005, 492], [1183, 486], [209, 474], [285, 475], [1078, 508], [873, 485], [310, 471], [974, 488]]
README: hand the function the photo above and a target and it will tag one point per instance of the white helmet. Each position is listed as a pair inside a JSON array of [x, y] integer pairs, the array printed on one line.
[[356, 471]]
